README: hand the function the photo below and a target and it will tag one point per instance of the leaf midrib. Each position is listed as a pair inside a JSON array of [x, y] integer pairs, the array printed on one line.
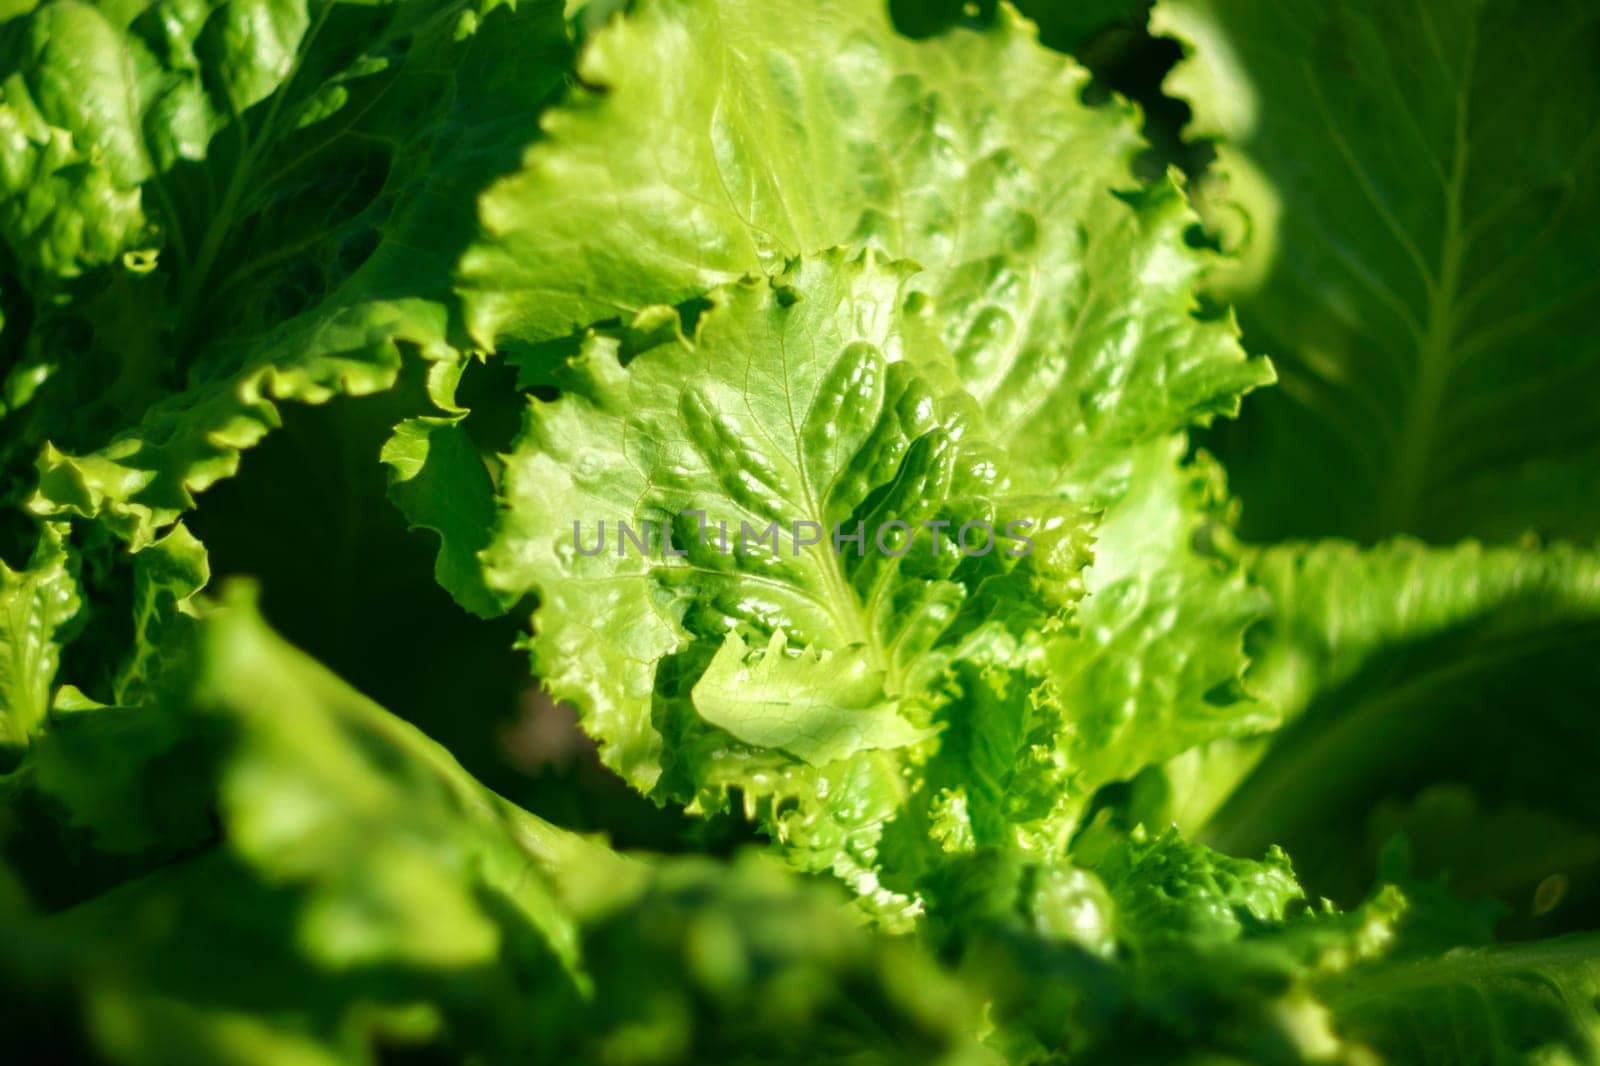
[[1434, 354]]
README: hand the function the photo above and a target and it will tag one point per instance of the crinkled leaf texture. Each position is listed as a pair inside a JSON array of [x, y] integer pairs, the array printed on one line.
[[37, 605], [1156, 949], [1421, 192], [821, 390], [788, 272], [312, 169], [805, 404], [1159, 949], [712, 143], [309, 175]]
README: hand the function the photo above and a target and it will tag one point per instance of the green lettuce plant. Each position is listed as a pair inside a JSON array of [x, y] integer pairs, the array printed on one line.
[[344, 346]]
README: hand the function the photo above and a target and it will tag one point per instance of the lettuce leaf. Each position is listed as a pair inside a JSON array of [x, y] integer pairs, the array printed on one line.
[[356, 859], [828, 395], [1067, 312], [310, 221], [37, 605], [1419, 185], [857, 427], [1405, 667]]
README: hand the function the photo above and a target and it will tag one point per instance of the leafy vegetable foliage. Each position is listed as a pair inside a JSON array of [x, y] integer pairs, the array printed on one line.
[[815, 389], [356, 857], [308, 172]]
